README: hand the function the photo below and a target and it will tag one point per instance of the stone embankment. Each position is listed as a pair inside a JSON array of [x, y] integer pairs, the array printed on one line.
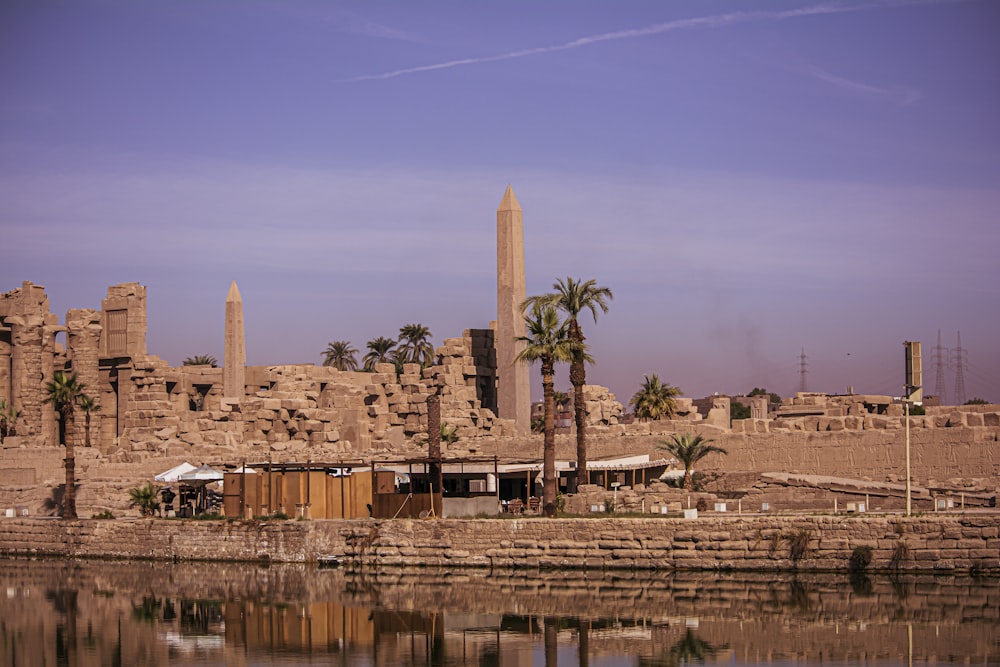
[[938, 543]]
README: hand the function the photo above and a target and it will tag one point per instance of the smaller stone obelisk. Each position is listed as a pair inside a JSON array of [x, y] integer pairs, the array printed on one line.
[[234, 371], [513, 387]]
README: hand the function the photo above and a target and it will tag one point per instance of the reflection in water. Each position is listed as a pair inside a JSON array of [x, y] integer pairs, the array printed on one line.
[[82, 613]]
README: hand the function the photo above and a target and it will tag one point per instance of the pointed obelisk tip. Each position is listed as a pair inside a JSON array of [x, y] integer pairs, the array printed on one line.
[[234, 293], [509, 201]]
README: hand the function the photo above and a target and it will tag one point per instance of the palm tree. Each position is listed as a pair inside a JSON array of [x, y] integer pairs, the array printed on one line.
[[89, 405], [379, 352], [201, 360], [573, 297], [340, 355], [689, 449], [8, 420], [415, 345], [145, 498], [65, 393], [547, 341], [655, 399]]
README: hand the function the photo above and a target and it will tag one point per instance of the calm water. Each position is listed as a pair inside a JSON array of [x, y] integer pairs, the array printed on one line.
[[83, 613]]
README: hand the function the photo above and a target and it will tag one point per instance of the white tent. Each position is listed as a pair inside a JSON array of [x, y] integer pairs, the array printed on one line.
[[245, 469], [171, 475], [204, 473]]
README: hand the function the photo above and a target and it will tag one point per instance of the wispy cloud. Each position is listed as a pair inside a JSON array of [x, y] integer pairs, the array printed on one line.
[[702, 22], [904, 95]]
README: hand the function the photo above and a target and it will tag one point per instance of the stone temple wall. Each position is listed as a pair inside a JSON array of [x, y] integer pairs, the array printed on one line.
[[153, 411], [932, 543]]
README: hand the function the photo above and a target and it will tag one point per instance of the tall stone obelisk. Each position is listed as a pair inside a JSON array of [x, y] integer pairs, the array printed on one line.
[[513, 387], [234, 371]]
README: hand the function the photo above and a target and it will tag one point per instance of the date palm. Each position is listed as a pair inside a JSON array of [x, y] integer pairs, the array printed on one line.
[[547, 341], [201, 360], [689, 449], [574, 297], [341, 355], [654, 400], [64, 392], [415, 346], [380, 351], [89, 405]]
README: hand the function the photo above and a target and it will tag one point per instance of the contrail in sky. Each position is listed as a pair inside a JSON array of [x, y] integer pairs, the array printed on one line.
[[716, 21]]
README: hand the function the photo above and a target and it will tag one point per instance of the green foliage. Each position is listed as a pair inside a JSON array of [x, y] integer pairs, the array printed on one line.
[[449, 435], [560, 502], [201, 360], [689, 449], [64, 393], [917, 410], [8, 420], [380, 351], [414, 346], [106, 514], [861, 559], [760, 391], [547, 341], [976, 401], [340, 354], [654, 400], [738, 411], [146, 498]]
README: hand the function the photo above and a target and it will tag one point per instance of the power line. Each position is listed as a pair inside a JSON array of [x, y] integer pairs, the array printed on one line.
[[940, 358], [802, 370], [960, 362]]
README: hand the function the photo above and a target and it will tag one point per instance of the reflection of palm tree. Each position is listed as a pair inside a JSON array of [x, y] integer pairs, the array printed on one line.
[[546, 341], [340, 355], [379, 352], [690, 648]]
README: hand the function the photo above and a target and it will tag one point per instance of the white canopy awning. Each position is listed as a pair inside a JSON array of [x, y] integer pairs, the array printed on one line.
[[171, 475], [203, 473]]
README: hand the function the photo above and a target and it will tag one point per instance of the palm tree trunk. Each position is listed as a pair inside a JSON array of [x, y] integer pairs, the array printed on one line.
[[69, 496], [578, 378], [549, 447], [580, 416]]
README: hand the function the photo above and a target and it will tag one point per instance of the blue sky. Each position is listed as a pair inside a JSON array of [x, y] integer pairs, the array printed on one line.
[[750, 178]]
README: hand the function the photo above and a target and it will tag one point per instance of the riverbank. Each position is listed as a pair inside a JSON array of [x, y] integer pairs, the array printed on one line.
[[967, 542]]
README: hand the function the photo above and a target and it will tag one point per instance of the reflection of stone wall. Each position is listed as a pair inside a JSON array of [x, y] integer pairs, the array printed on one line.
[[120, 613], [740, 542]]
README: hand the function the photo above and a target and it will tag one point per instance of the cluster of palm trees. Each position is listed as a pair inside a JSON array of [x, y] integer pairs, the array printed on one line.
[[550, 340], [413, 346], [66, 393]]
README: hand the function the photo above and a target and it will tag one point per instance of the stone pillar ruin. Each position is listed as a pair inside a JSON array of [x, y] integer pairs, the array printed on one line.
[[513, 387], [27, 354], [83, 346], [123, 339], [235, 362]]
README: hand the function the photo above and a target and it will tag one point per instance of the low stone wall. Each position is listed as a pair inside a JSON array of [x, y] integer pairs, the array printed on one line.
[[965, 542]]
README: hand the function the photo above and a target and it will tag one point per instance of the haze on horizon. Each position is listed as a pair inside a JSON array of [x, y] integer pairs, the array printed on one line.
[[750, 182]]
